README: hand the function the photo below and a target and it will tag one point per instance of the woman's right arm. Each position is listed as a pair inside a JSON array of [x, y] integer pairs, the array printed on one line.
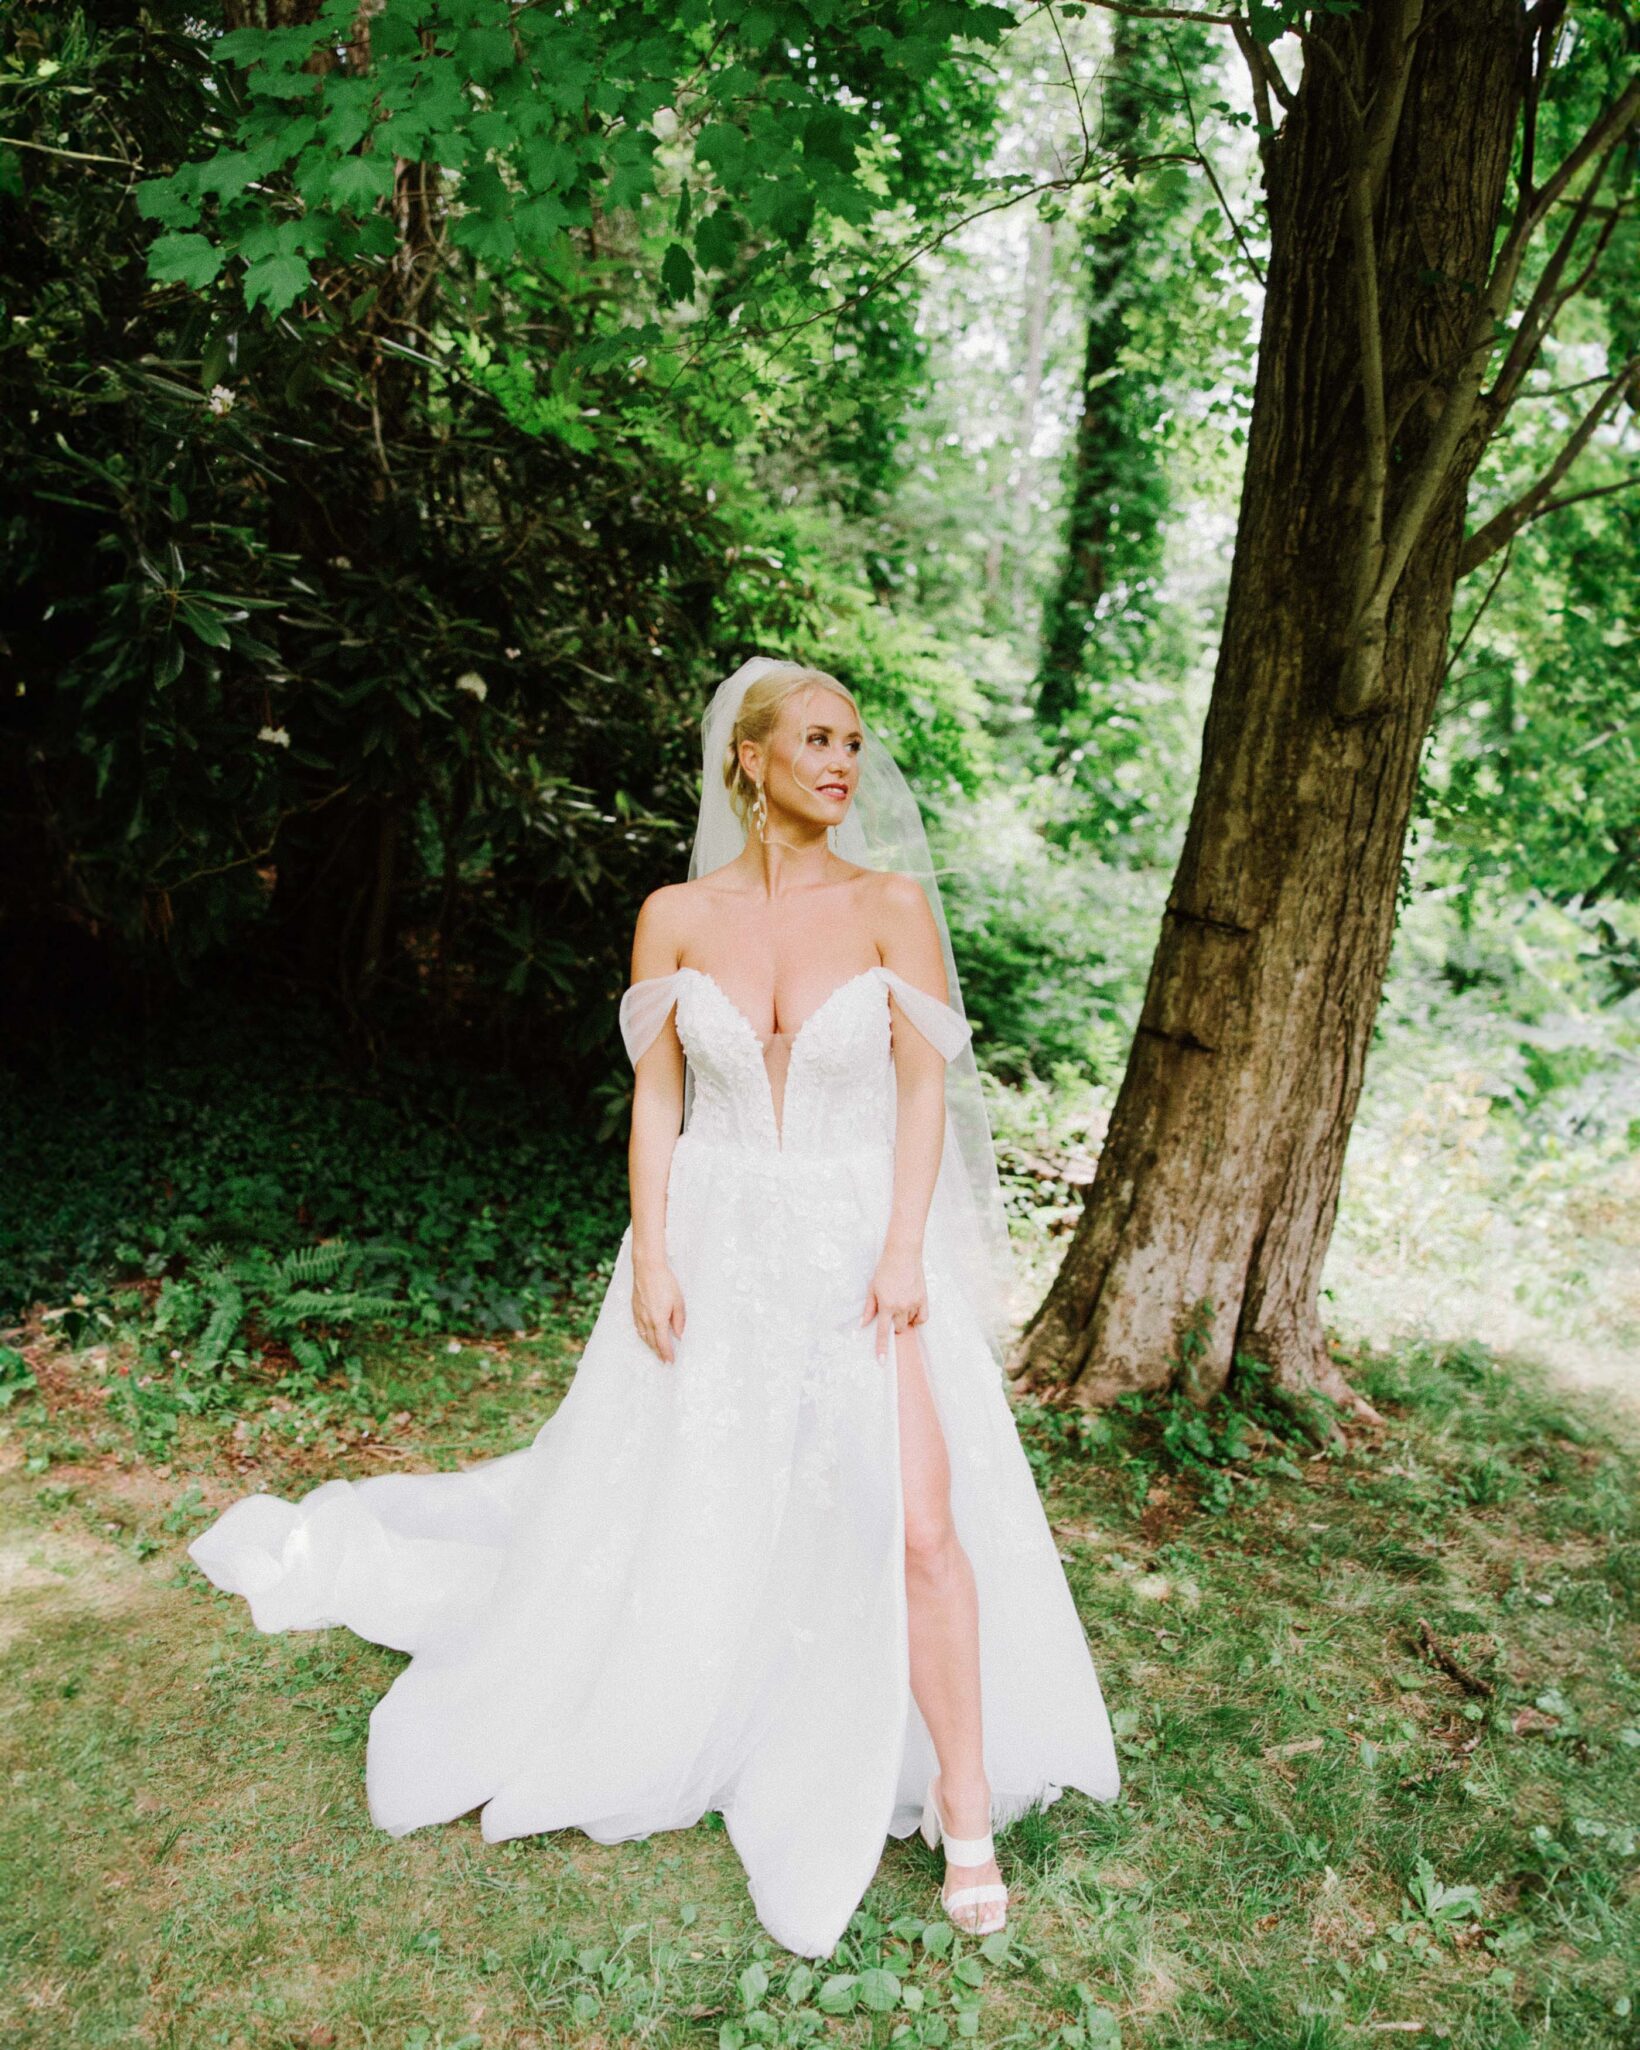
[[657, 1114]]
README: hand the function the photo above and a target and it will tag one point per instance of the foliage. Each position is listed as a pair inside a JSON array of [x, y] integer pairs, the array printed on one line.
[[1535, 782], [551, 122], [1051, 946], [427, 1200], [367, 647]]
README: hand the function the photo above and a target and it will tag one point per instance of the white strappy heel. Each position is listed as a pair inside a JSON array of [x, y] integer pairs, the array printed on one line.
[[964, 1850]]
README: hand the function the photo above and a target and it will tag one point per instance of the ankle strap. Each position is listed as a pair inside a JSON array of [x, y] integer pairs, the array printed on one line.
[[968, 1850]]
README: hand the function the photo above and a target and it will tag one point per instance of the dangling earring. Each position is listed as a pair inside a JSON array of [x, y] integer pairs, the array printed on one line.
[[760, 814]]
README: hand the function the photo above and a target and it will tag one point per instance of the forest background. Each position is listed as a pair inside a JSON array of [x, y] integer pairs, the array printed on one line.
[[376, 531], [410, 413]]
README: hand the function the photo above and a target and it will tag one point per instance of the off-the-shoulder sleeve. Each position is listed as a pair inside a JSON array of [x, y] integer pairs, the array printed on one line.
[[947, 1031], [643, 1011]]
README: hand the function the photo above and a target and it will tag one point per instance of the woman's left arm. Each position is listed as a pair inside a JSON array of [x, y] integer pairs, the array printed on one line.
[[909, 942]]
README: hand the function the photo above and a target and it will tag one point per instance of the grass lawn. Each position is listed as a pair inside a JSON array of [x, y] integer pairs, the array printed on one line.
[[1378, 1717]]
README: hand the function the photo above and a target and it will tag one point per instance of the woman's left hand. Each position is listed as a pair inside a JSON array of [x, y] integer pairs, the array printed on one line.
[[897, 1297]]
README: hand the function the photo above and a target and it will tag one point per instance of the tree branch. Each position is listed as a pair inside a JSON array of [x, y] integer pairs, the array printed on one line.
[[1609, 125], [1543, 308], [1383, 117], [1167, 13], [1266, 78], [1371, 144], [1363, 677], [837, 308], [74, 156], [1545, 20], [1593, 491], [1212, 175], [1475, 617], [1509, 520]]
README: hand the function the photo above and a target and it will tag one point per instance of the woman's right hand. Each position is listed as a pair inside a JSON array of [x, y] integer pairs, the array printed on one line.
[[657, 1306]]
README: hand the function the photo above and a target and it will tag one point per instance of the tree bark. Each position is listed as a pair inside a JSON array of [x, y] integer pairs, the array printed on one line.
[[1210, 1216]]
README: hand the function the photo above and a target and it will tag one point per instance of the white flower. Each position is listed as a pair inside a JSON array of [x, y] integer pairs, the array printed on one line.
[[664, 123], [474, 685], [221, 400], [341, 562], [513, 654], [454, 1345], [275, 736]]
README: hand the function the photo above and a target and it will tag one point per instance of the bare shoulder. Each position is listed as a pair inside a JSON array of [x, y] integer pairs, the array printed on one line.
[[908, 938], [900, 901], [663, 922]]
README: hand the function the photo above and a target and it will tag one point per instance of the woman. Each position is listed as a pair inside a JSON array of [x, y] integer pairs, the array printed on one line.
[[779, 1545]]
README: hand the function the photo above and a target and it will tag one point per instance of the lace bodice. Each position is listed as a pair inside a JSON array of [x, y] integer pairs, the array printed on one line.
[[834, 1091]]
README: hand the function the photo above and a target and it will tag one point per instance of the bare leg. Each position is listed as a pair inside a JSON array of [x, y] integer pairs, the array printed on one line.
[[942, 1619]]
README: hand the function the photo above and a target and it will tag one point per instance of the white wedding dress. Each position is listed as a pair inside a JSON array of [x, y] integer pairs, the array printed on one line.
[[688, 1592]]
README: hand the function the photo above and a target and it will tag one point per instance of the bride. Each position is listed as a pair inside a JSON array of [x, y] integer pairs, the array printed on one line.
[[778, 1552]]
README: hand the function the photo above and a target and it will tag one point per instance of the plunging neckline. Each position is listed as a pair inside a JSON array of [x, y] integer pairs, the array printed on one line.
[[777, 1117], [829, 998]]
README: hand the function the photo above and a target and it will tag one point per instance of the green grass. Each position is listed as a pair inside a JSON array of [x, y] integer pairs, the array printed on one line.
[[1322, 1831]]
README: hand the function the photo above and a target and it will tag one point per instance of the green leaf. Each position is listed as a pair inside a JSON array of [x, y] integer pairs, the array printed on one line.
[[393, 35], [724, 148], [828, 137], [492, 130], [172, 202], [1101, 2028], [717, 240], [276, 281], [490, 238], [879, 1990], [677, 273], [753, 1984], [549, 164], [1267, 22], [244, 46], [204, 624], [360, 182], [484, 53], [184, 260], [839, 1993], [800, 1983], [540, 221]]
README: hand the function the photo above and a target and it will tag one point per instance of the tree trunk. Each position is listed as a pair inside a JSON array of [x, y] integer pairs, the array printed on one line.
[[1210, 1216]]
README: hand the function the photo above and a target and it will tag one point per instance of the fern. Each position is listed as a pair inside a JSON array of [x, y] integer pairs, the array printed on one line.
[[307, 1266], [220, 1284], [345, 1306]]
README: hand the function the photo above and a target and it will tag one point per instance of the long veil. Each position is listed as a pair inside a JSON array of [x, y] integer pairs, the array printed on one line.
[[884, 829]]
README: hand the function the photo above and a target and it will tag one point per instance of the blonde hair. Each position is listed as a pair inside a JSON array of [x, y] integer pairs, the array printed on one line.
[[758, 715]]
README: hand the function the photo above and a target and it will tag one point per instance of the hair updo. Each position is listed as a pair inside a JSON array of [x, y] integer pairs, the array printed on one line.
[[758, 715]]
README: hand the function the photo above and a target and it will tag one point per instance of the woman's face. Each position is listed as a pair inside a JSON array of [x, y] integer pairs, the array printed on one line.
[[811, 763]]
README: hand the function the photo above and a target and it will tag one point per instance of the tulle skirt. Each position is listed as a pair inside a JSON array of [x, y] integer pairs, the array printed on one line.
[[688, 1593]]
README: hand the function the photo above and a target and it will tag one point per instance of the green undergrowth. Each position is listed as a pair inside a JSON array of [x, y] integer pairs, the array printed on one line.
[[228, 1213], [1375, 1710]]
